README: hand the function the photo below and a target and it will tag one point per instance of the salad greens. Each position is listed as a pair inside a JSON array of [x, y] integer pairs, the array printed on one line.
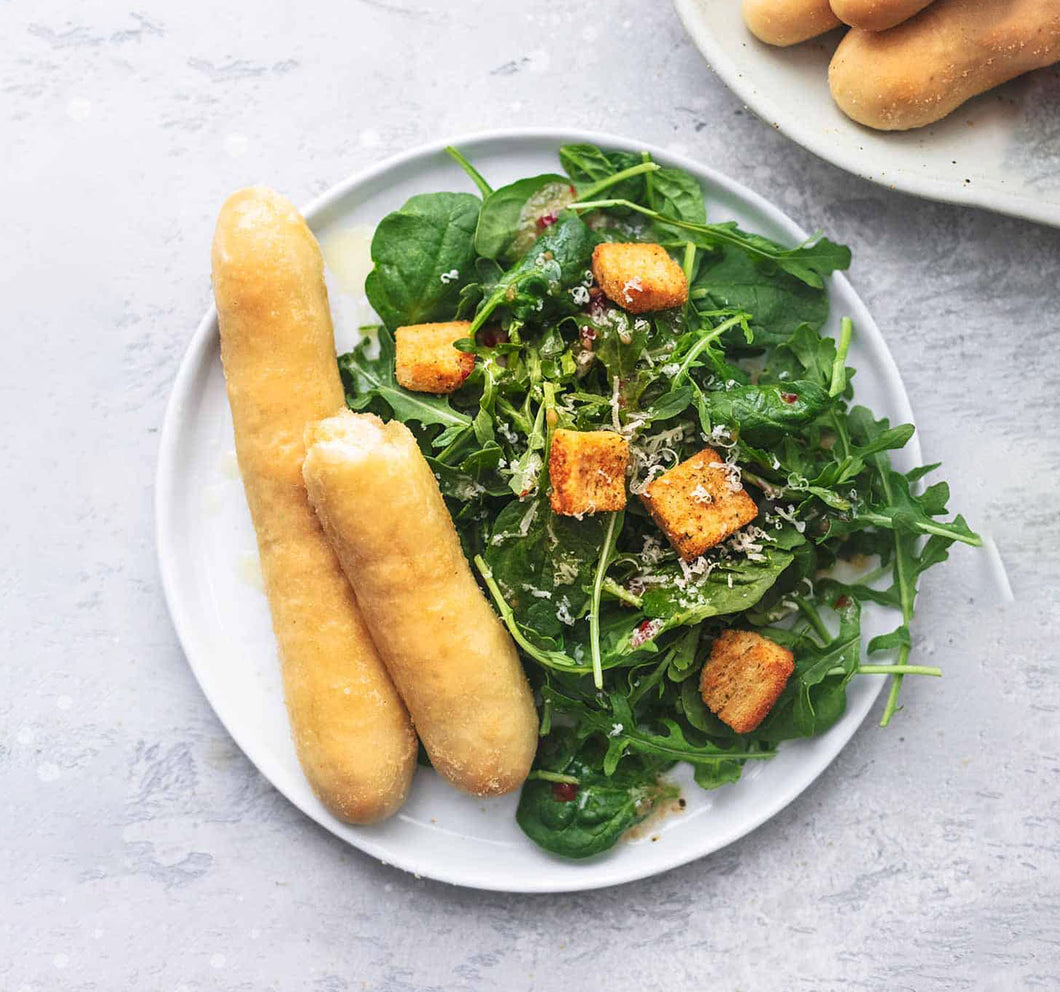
[[612, 626]]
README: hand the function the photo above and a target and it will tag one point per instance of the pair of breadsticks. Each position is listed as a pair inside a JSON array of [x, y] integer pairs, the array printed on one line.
[[907, 63], [382, 630]]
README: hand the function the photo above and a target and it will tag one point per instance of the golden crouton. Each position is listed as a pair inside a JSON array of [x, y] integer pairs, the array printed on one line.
[[639, 277], [698, 504], [744, 677], [427, 362], [588, 472]]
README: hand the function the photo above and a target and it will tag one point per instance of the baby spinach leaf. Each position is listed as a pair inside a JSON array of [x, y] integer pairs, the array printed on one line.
[[424, 255], [762, 411], [678, 194], [514, 210], [729, 587], [583, 817], [555, 264], [778, 302]]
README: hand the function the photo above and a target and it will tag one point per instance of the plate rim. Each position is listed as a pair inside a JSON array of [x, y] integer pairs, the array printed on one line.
[[974, 195], [164, 503]]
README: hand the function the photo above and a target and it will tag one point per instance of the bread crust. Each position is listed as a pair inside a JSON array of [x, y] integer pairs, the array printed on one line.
[[695, 505], [587, 472], [787, 22], [876, 15], [450, 656], [922, 70], [744, 677], [352, 732]]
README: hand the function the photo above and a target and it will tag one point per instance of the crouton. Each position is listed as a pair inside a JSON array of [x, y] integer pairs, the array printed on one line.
[[427, 362], [639, 277], [744, 677], [698, 504], [588, 472]]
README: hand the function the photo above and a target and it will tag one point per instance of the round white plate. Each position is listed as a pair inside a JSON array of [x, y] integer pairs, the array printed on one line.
[[1000, 151], [208, 559]]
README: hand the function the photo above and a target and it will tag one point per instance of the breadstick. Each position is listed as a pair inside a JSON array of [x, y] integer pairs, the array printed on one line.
[[352, 732], [876, 15], [448, 653], [787, 22], [922, 70]]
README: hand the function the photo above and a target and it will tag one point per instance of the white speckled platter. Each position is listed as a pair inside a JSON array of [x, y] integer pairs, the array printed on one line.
[[207, 556], [1000, 150]]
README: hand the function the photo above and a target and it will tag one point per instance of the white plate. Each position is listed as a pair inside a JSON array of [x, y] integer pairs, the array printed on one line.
[[1000, 150], [207, 555]]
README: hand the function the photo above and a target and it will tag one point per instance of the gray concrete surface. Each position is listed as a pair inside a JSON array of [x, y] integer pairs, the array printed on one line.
[[139, 849]]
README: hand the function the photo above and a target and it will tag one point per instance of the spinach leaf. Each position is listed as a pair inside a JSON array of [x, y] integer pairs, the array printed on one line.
[[570, 807], [729, 587], [676, 193], [424, 256], [512, 212], [778, 302], [763, 411], [557, 262]]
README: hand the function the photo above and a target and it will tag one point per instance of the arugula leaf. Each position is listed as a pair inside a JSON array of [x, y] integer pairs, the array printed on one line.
[[365, 378], [424, 256]]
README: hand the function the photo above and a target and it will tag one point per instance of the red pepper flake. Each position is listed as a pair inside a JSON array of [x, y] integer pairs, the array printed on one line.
[[573, 191], [546, 220], [842, 602], [789, 397], [564, 792]]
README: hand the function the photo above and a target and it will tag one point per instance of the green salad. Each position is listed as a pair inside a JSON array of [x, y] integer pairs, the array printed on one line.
[[613, 627]]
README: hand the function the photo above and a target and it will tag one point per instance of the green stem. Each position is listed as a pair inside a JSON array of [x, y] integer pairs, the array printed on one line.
[[594, 610], [550, 659], [891, 670], [696, 349], [622, 593], [484, 187], [689, 260], [771, 490], [455, 445], [811, 614], [544, 776], [713, 232], [588, 192], [839, 366]]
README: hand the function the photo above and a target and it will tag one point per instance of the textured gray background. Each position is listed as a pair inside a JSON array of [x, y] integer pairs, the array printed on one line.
[[140, 850]]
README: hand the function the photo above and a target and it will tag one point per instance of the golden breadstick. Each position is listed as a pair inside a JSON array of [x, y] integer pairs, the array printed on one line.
[[352, 732], [449, 654], [922, 70], [787, 22], [876, 15]]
